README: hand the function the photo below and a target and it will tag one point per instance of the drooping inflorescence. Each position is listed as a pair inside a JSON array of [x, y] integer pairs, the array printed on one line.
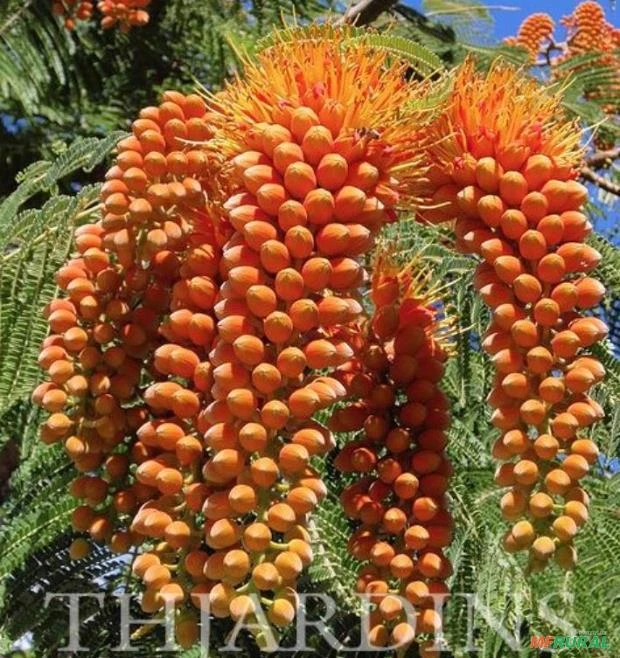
[[73, 10], [323, 151], [122, 13], [534, 34], [589, 30], [126, 359], [200, 332], [507, 176], [587, 33], [400, 416], [217, 306]]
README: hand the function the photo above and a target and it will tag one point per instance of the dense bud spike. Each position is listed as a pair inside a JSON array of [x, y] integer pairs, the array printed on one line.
[[400, 414], [587, 32], [534, 279], [534, 34], [293, 227], [122, 13], [127, 359]]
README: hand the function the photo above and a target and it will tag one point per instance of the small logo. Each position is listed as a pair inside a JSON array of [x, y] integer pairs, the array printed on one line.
[[580, 641]]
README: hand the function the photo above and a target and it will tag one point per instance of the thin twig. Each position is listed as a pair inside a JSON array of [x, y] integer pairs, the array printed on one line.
[[462, 10], [600, 181], [603, 158], [366, 11], [551, 46]]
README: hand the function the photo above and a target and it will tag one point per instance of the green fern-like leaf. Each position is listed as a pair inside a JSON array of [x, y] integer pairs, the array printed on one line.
[[34, 243], [40, 242], [44, 176], [486, 55], [471, 8], [36, 55], [421, 59]]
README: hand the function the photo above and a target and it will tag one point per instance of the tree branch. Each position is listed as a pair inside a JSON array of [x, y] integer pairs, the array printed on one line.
[[366, 11], [603, 158], [602, 182], [462, 10], [440, 31]]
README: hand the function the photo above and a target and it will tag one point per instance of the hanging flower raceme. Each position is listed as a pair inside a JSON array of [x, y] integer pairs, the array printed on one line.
[[138, 303], [124, 13], [400, 415], [590, 32], [170, 451], [324, 147], [535, 34], [508, 178], [587, 32], [73, 10]]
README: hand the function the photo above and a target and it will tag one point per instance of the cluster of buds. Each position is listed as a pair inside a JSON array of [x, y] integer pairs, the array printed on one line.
[[73, 10], [122, 13], [590, 32], [400, 417], [587, 31], [170, 446], [508, 178], [534, 34], [127, 357], [216, 307], [309, 189], [195, 345]]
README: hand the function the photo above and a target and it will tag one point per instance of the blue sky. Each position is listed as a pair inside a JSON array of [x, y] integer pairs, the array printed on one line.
[[507, 22]]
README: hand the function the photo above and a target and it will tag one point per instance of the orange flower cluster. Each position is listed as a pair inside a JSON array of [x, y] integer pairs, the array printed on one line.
[[401, 415], [534, 34], [507, 177], [124, 13], [215, 308], [139, 308], [73, 10], [187, 360], [309, 189], [589, 31]]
